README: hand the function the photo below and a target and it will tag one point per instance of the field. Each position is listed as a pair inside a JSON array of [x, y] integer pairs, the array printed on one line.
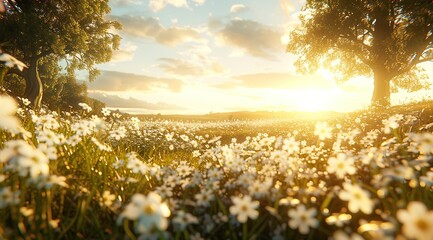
[[86, 175]]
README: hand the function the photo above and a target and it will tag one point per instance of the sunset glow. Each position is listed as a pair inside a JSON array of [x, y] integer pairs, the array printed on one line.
[[198, 57]]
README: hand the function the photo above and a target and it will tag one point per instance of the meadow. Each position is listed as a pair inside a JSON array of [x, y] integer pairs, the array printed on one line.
[[102, 175]]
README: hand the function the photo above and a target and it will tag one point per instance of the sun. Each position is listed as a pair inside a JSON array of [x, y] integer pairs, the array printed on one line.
[[313, 100]]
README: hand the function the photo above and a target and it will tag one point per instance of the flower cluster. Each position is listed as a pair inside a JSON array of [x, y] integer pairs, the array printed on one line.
[[110, 176]]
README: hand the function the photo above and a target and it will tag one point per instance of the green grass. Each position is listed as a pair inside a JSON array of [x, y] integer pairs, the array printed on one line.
[[277, 159]]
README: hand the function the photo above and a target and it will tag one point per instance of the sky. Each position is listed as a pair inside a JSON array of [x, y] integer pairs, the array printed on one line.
[[202, 56]]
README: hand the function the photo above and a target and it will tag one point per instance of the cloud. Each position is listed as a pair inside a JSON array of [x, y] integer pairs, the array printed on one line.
[[194, 61], [123, 3], [114, 101], [158, 5], [125, 53], [181, 67], [123, 82], [235, 8], [275, 81], [287, 7], [253, 37], [138, 26]]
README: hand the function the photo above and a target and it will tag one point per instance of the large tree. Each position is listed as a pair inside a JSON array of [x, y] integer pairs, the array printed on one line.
[[77, 32], [385, 39]]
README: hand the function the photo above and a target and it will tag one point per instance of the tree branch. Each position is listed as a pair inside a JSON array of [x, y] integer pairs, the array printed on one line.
[[17, 72]]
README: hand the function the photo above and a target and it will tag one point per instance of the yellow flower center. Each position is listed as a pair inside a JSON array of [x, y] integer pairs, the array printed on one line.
[[422, 225], [149, 209]]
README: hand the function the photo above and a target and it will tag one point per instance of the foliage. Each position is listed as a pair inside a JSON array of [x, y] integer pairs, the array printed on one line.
[[117, 177], [384, 39], [34, 30]]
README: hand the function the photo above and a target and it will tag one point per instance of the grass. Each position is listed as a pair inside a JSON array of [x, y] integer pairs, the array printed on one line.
[[84, 175]]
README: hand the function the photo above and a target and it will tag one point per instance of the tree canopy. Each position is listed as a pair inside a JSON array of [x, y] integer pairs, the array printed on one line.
[[384, 39], [77, 32]]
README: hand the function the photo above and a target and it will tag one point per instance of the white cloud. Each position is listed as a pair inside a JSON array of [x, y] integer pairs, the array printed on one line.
[[125, 2], [158, 5], [138, 26], [125, 82], [125, 53], [252, 37], [199, 2], [195, 61], [235, 8]]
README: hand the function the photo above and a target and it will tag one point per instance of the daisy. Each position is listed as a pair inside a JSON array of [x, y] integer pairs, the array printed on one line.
[[8, 108], [417, 221], [244, 208], [358, 198], [341, 165], [303, 219], [323, 130], [149, 212], [183, 219]]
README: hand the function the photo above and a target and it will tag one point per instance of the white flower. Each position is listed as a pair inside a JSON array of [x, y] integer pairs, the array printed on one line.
[[8, 109], [149, 212], [85, 107], [244, 208], [358, 198], [183, 218], [323, 130], [7, 197], [417, 221], [341, 165], [107, 199], [303, 219]]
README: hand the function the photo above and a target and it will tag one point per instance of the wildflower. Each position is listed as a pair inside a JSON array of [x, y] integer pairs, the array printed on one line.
[[341, 235], [244, 208], [49, 151], [118, 133], [303, 219], [107, 199], [26, 212], [183, 219], [8, 108], [106, 112], [204, 197], [149, 211], [427, 179], [48, 137], [417, 221], [323, 130], [390, 123], [85, 107], [338, 219], [54, 223], [341, 165], [424, 142], [291, 145], [358, 198], [34, 163], [7, 197]]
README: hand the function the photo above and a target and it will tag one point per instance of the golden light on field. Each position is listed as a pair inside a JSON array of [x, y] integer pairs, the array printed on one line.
[[313, 100]]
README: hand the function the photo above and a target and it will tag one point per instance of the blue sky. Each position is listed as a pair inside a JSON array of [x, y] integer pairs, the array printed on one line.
[[200, 56]]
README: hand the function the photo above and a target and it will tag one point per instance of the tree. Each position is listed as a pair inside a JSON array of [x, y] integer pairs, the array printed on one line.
[[383, 39], [76, 32]]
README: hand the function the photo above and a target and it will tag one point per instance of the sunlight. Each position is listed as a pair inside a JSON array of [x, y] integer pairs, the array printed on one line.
[[313, 100]]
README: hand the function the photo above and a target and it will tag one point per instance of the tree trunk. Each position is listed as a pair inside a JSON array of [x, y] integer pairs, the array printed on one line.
[[381, 93], [34, 89]]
